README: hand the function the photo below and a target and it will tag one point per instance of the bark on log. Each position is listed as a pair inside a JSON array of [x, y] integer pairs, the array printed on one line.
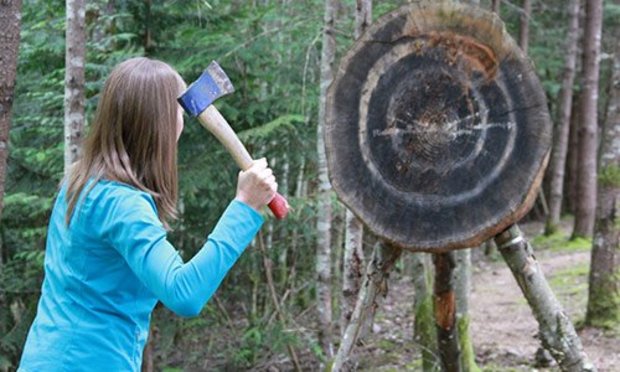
[[445, 312], [433, 112], [383, 258], [554, 327]]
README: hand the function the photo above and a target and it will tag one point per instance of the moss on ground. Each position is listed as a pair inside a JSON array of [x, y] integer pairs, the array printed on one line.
[[560, 241], [571, 281]]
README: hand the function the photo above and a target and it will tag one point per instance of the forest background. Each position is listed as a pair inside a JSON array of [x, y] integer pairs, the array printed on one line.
[[273, 51]]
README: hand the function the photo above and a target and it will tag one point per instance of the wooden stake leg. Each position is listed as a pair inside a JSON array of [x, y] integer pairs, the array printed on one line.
[[379, 267], [445, 312], [555, 329]]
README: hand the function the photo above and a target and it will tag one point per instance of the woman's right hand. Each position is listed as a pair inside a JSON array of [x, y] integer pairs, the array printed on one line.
[[257, 185]]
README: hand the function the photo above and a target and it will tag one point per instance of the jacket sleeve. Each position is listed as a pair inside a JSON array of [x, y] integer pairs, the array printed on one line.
[[137, 234]]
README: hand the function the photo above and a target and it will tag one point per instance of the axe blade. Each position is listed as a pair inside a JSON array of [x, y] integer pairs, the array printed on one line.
[[211, 85]]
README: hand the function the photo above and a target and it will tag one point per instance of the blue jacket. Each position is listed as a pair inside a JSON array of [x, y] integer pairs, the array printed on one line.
[[105, 273]]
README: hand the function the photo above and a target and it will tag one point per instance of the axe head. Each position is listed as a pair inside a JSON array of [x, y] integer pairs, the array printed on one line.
[[211, 85]]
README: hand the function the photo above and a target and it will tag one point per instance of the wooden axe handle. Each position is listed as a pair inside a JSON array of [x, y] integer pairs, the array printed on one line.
[[215, 123]]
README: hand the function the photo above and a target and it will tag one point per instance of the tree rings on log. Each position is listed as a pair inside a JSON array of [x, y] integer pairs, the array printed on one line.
[[437, 130]]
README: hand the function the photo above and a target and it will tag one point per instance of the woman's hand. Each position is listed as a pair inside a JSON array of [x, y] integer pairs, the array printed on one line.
[[257, 185]]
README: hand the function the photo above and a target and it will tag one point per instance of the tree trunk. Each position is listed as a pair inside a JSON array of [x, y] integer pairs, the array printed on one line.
[[148, 32], [495, 6], [383, 258], [554, 328], [425, 334], [445, 312], [324, 293], [10, 20], [604, 286], [353, 252], [562, 130], [586, 195], [363, 16], [524, 29], [353, 264], [463, 290], [74, 80], [570, 185], [102, 25]]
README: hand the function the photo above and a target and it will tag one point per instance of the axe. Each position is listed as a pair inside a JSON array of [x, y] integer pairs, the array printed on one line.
[[198, 100]]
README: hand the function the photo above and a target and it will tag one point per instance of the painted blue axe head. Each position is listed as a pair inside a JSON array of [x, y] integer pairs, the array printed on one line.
[[211, 85]]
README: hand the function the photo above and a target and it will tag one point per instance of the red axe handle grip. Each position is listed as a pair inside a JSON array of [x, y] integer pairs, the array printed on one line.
[[215, 123]]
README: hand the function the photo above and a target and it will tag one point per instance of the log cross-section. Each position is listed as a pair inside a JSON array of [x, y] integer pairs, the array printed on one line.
[[435, 112]]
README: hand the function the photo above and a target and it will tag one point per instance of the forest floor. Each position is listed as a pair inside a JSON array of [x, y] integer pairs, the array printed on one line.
[[503, 328]]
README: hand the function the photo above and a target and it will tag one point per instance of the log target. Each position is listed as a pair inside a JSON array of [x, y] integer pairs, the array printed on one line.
[[437, 130]]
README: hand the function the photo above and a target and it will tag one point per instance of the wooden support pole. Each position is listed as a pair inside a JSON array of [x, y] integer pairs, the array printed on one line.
[[445, 312], [383, 258], [555, 329], [425, 334]]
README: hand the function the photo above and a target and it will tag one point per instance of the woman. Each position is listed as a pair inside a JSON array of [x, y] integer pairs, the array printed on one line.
[[107, 259]]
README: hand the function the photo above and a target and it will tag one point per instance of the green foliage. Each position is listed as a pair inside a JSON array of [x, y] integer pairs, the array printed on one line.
[[26, 210], [609, 176], [271, 53], [611, 14], [271, 130]]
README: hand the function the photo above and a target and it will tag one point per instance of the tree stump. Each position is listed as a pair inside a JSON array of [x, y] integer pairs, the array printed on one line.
[[436, 113]]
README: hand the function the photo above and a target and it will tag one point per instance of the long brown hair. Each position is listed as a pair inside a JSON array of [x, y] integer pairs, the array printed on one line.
[[133, 138]]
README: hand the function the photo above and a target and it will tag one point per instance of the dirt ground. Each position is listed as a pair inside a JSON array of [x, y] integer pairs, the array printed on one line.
[[503, 328]]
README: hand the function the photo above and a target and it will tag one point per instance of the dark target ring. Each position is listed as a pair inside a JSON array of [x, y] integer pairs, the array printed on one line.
[[437, 128]]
